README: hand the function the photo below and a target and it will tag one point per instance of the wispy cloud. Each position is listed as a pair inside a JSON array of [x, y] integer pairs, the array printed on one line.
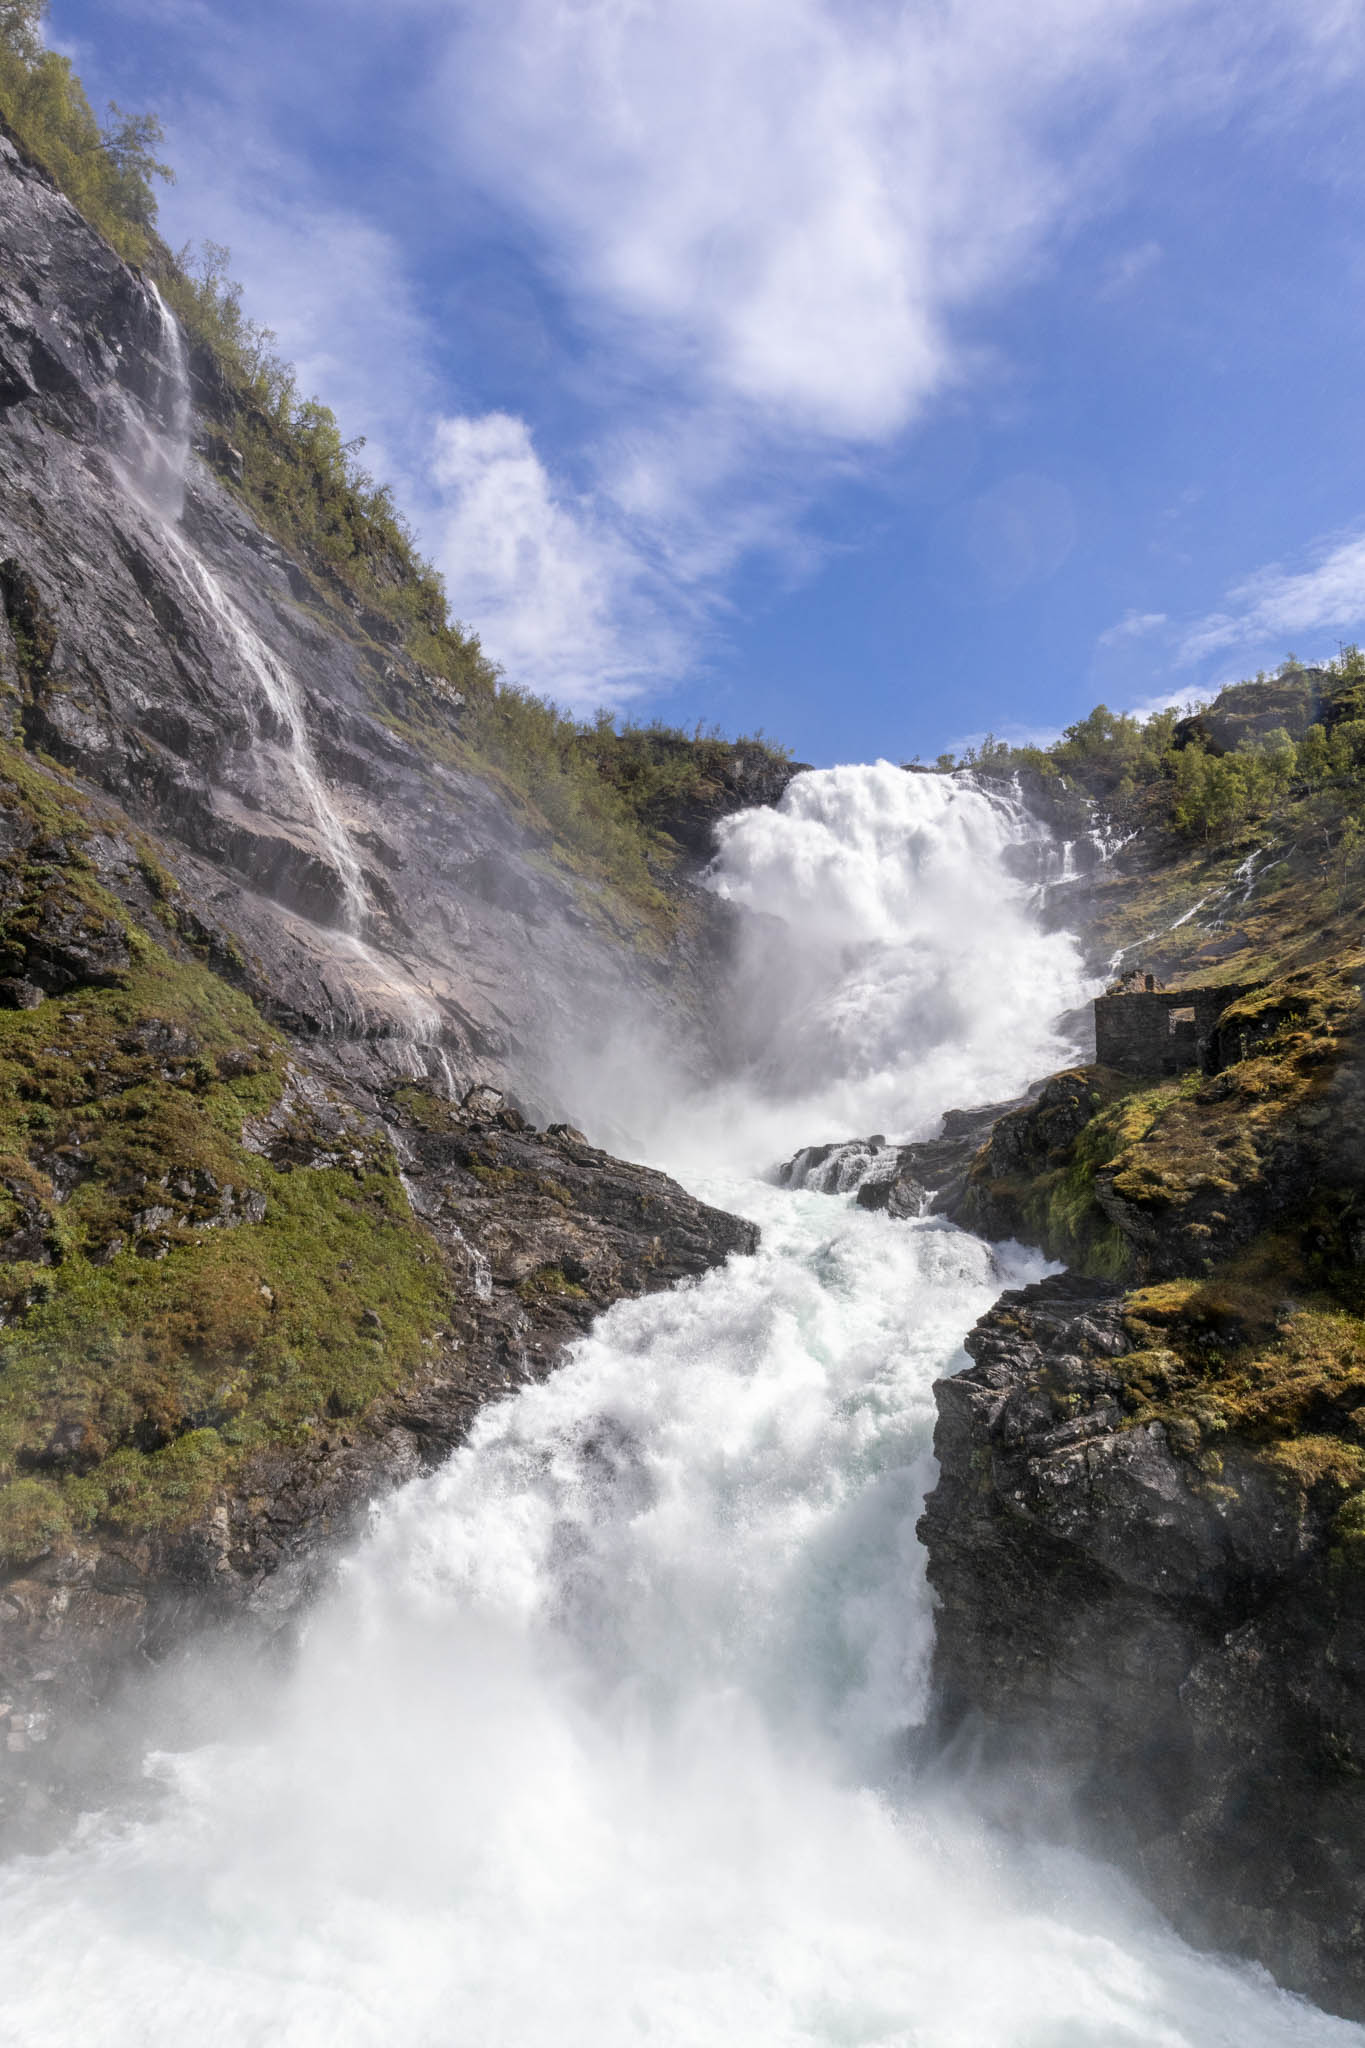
[[554, 591], [1276, 604], [774, 228], [1129, 268], [1132, 626], [798, 203]]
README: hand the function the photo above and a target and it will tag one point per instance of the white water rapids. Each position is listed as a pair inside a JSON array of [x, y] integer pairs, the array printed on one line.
[[600, 1741]]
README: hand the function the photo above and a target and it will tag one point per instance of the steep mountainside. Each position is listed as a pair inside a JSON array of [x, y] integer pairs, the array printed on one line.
[[286, 970]]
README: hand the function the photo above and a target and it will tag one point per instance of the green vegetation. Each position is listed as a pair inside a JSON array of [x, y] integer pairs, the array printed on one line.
[[616, 800], [106, 169], [1231, 1205], [1173, 1175], [1259, 1357], [169, 1300], [1287, 750]]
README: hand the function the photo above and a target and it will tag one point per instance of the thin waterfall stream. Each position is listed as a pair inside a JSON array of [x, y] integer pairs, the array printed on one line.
[[156, 454], [602, 1737], [153, 460]]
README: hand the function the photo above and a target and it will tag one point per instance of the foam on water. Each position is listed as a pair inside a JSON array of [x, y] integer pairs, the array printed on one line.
[[598, 1742], [601, 1739], [894, 967]]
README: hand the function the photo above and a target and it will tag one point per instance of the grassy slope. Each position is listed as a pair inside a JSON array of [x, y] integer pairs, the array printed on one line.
[[148, 1347]]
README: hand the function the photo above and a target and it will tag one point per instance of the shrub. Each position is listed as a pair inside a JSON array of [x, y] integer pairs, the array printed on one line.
[[108, 171]]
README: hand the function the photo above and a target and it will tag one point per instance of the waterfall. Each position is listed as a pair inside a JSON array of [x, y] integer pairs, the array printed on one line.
[[152, 436], [275, 686], [154, 452], [600, 1741], [153, 443], [890, 967]]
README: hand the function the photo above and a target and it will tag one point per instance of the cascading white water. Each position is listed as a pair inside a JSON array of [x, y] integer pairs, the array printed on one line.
[[154, 444], [279, 692], [894, 967], [599, 1742], [155, 455], [153, 437]]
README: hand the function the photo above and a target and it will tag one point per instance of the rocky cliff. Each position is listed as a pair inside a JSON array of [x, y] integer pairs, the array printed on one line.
[[1166, 1637], [1146, 1533], [288, 974], [304, 772]]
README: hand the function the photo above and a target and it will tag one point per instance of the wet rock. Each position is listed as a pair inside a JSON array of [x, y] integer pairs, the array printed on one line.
[[483, 1104], [1171, 1650], [901, 1197], [227, 460], [903, 1181], [154, 1218], [832, 1169]]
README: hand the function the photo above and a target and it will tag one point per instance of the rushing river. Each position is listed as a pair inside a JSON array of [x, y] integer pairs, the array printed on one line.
[[601, 1740]]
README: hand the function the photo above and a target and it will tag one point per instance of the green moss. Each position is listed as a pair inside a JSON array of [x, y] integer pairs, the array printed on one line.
[[1309, 1462], [153, 1338], [494, 1178], [549, 1281], [33, 1516], [1252, 1354], [421, 1105], [1348, 1534]]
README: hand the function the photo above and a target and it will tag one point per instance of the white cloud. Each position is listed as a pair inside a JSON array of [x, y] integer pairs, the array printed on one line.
[[772, 224], [1275, 605], [1168, 700], [554, 591], [796, 203], [1013, 734], [1132, 626]]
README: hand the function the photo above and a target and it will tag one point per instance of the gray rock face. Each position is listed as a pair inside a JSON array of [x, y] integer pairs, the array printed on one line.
[[238, 730], [250, 714], [1177, 1658]]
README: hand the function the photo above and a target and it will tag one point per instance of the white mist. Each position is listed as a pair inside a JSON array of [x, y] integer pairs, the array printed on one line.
[[600, 1741]]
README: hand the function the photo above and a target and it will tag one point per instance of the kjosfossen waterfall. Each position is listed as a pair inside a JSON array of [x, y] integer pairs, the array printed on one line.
[[605, 1732], [648, 1395]]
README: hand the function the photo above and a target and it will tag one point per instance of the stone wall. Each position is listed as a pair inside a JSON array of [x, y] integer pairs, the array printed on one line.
[[1161, 1031]]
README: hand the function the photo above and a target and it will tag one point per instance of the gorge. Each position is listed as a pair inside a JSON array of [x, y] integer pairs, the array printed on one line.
[[460, 1574]]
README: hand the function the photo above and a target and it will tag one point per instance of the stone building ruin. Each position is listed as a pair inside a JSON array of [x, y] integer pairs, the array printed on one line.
[[1142, 1027]]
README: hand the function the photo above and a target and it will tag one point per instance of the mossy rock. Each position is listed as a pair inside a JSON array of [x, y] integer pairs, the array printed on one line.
[[170, 1300]]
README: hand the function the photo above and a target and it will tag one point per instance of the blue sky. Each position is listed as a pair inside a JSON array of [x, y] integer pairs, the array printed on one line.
[[871, 373]]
